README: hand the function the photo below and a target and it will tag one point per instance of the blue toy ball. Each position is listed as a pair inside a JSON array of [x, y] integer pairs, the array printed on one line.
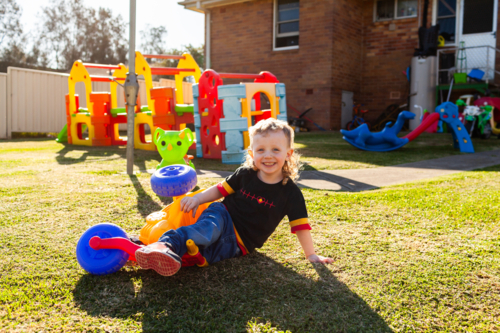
[[105, 261], [173, 180]]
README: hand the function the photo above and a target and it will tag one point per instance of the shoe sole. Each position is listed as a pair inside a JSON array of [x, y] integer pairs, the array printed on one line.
[[161, 263]]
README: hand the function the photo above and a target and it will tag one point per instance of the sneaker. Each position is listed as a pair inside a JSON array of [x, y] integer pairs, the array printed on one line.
[[135, 239], [158, 257]]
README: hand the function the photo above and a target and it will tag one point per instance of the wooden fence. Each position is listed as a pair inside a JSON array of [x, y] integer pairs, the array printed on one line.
[[33, 101]]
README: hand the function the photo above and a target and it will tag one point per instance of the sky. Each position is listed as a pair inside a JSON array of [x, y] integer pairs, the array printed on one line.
[[183, 26]]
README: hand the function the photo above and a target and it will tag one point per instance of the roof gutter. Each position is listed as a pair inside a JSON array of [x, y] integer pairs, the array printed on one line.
[[202, 6]]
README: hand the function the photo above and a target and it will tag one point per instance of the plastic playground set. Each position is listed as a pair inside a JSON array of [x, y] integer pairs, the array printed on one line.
[[102, 115], [470, 116], [221, 114], [387, 140]]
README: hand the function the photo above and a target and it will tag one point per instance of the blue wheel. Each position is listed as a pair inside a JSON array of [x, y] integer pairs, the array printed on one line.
[[173, 180], [105, 261]]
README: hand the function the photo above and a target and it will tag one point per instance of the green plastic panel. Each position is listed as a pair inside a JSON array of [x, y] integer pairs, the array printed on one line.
[[180, 109]]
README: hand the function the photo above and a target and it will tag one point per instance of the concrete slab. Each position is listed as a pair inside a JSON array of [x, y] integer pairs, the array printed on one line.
[[213, 173], [367, 179]]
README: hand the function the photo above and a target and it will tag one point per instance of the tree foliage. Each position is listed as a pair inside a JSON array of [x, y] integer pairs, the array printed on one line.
[[152, 40], [15, 54], [10, 27], [14, 51], [71, 31], [198, 54], [153, 43], [68, 31]]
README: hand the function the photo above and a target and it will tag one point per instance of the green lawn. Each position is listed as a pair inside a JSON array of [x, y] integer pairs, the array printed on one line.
[[420, 257]]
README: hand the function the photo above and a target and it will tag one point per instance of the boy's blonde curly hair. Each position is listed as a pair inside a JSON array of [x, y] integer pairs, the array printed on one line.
[[292, 166]]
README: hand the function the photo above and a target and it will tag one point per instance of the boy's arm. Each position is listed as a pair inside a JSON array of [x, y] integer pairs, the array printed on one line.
[[192, 203], [209, 195], [306, 241]]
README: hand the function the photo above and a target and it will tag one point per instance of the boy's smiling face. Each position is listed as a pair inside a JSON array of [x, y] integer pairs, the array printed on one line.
[[269, 153]]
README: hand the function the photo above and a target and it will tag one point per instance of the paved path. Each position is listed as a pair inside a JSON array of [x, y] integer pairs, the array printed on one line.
[[355, 180]]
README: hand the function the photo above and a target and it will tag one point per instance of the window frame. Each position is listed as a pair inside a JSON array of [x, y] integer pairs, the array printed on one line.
[[458, 19], [286, 34], [395, 12]]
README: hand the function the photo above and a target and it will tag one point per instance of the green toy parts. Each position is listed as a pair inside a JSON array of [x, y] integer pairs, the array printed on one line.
[[173, 146]]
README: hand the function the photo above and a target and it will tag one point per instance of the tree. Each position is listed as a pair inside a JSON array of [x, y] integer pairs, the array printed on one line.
[[152, 40], [71, 31], [14, 54], [10, 13], [153, 43], [198, 54]]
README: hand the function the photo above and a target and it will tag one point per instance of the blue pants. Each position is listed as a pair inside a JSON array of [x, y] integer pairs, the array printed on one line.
[[213, 233]]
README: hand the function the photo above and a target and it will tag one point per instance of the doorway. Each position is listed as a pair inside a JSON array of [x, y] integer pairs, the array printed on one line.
[[473, 22], [347, 105], [479, 22]]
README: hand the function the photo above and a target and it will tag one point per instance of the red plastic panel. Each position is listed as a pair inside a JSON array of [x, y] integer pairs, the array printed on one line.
[[212, 140]]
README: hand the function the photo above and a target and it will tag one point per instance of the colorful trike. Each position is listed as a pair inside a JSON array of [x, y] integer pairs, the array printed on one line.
[[105, 248]]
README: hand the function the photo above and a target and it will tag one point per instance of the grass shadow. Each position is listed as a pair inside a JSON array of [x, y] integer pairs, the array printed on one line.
[[227, 296], [105, 153], [145, 204], [321, 180]]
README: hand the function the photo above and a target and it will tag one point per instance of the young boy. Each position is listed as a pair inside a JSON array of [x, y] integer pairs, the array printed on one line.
[[256, 198]]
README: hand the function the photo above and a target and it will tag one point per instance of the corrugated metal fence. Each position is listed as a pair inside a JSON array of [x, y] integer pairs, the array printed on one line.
[[33, 101], [3, 105]]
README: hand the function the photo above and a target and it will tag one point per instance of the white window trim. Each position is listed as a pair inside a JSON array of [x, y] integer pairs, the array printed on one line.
[[395, 13], [458, 20], [275, 35]]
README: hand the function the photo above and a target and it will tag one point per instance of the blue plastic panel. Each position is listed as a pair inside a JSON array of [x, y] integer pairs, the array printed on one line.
[[197, 120], [236, 141], [233, 158], [280, 90], [232, 90], [199, 150], [240, 124], [196, 91]]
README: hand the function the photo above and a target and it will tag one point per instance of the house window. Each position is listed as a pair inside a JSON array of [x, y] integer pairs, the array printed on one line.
[[478, 16], [447, 19], [395, 9], [286, 27]]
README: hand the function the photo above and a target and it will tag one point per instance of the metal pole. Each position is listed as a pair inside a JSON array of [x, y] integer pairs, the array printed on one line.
[[437, 67], [131, 89], [487, 65], [207, 39]]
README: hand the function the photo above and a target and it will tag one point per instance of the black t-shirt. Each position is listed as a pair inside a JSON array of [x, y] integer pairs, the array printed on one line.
[[257, 207]]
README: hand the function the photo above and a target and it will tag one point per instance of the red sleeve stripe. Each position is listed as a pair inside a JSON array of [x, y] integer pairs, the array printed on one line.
[[301, 227], [222, 190]]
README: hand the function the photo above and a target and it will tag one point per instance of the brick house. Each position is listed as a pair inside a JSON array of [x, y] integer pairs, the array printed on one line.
[[330, 52]]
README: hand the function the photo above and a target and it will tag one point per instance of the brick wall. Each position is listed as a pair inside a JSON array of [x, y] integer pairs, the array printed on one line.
[[242, 41], [347, 60], [388, 47], [341, 48]]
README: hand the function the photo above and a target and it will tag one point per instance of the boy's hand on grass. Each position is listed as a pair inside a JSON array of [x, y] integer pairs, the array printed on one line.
[[190, 203], [320, 259]]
